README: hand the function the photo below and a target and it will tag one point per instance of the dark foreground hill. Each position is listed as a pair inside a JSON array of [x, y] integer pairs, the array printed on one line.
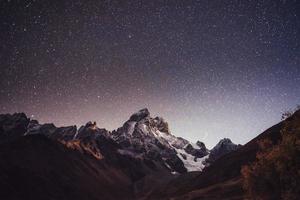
[[35, 167]]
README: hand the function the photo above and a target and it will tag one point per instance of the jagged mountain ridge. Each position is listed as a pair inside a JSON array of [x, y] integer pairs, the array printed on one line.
[[141, 138]]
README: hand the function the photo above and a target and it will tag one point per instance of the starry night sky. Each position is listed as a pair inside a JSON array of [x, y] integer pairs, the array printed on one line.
[[211, 68]]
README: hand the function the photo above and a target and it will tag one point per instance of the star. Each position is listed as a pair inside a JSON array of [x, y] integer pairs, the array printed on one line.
[[214, 67]]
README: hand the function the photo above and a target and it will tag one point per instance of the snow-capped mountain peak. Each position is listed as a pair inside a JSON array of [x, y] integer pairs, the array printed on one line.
[[152, 136]]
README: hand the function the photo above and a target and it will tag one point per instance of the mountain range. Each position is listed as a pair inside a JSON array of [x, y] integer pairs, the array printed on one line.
[[140, 160]]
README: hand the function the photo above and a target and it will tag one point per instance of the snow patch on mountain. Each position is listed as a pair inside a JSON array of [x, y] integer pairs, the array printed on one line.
[[191, 163]]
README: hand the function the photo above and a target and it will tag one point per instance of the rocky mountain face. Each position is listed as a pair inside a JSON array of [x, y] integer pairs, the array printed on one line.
[[223, 147], [150, 137], [141, 138]]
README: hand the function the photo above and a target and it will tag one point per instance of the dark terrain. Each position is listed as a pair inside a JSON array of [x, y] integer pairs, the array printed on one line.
[[40, 166]]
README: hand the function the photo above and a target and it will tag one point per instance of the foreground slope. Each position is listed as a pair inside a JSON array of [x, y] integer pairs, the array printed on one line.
[[222, 179], [35, 167]]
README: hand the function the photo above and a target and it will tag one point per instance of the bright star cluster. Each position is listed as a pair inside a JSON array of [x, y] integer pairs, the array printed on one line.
[[211, 68]]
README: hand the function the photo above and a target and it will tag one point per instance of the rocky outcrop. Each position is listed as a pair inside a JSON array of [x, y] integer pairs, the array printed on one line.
[[223, 147], [198, 152], [138, 116], [13, 125], [50, 130], [90, 131]]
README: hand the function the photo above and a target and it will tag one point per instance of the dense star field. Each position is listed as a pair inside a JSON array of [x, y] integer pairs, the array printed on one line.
[[211, 68]]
